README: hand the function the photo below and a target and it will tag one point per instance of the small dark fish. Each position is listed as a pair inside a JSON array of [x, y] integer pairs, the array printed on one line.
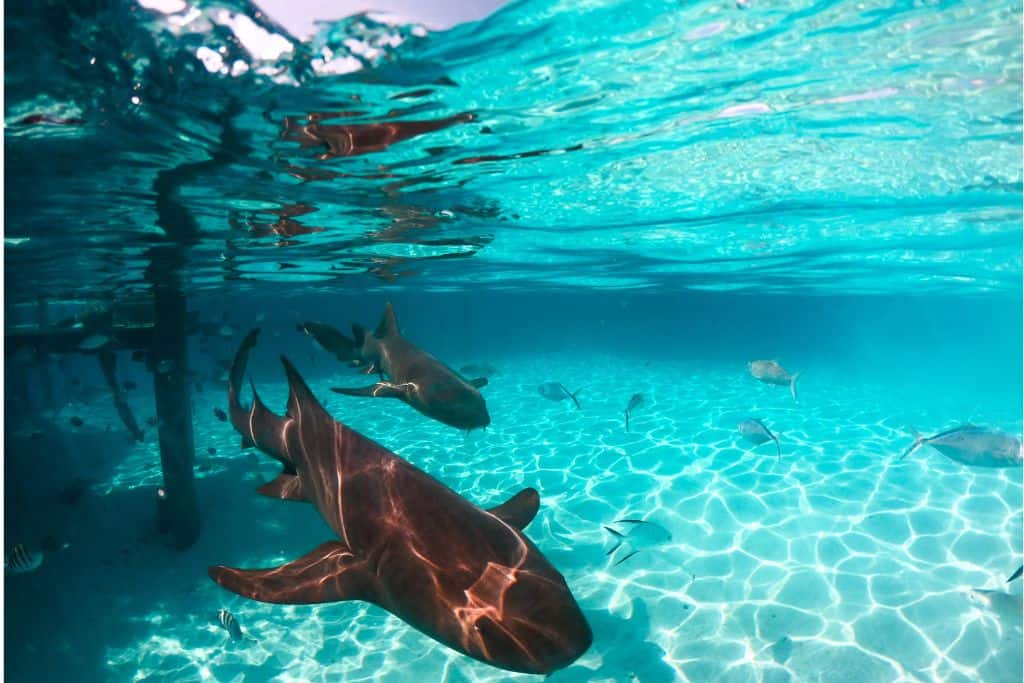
[[635, 401], [555, 391], [283, 266], [130, 385], [1016, 574], [138, 355], [76, 421], [228, 621], [221, 415], [37, 435], [211, 450], [22, 560]]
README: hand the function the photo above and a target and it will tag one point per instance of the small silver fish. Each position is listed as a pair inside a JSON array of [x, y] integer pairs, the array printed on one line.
[[770, 372], [635, 401], [227, 331], [975, 446], [93, 342], [555, 391], [230, 624], [21, 560], [757, 433], [165, 367], [641, 535]]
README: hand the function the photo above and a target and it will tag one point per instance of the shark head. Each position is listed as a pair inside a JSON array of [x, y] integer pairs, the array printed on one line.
[[457, 405], [511, 621]]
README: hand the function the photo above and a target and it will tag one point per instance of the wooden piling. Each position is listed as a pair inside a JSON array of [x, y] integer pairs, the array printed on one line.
[[168, 362]]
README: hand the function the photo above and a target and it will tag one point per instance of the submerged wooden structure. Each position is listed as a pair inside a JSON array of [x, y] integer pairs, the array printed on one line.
[[156, 324]]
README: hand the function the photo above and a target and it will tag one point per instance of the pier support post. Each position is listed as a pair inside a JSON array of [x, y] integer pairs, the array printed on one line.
[[168, 360]]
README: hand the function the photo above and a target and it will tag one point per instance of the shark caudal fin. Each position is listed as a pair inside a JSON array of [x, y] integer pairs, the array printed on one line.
[[520, 509], [778, 448], [388, 324], [1016, 574], [331, 340], [239, 365], [918, 442], [792, 385], [627, 420], [257, 425]]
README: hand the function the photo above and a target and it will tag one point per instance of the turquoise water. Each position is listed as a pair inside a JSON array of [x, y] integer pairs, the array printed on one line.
[[625, 199]]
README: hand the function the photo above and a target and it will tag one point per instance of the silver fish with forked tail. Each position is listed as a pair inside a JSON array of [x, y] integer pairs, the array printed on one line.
[[640, 536], [635, 402], [973, 445], [770, 372], [756, 432]]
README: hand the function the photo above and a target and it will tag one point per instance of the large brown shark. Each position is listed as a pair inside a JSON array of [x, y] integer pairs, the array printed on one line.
[[467, 577], [413, 375]]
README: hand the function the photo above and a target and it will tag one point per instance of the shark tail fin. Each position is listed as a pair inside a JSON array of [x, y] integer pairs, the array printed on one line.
[[388, 326], [627, 420], [918, 442], [331, 340], [792, 385], [1016, 574]]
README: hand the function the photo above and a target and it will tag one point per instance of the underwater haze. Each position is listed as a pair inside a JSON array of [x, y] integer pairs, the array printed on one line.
[[581, 202]]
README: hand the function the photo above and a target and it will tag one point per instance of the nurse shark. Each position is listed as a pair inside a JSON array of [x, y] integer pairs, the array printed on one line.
[[413, 375], [467, 577]]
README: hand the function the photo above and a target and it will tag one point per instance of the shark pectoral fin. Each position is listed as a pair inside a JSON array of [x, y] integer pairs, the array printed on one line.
[[479, 382], [378, 390], [286, 487], [520, 509], [330, 573]]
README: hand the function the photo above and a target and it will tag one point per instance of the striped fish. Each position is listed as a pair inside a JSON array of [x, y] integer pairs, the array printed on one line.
[[230, 624], [21, 560]]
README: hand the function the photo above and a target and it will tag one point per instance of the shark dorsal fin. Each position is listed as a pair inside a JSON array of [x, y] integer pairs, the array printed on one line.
[[388, 324], [520, 509]]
